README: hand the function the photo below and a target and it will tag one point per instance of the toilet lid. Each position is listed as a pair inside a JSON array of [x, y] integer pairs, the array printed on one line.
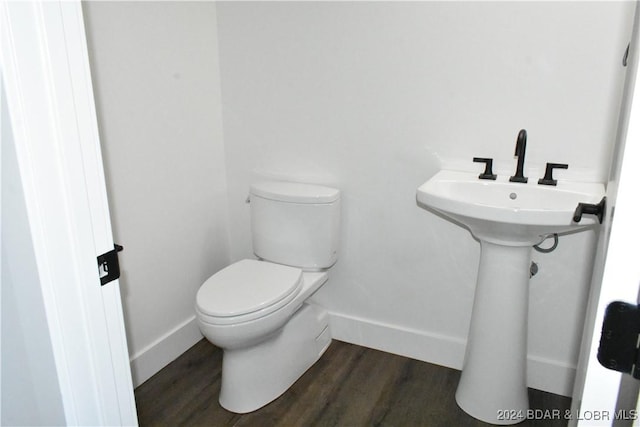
[[247, 286]]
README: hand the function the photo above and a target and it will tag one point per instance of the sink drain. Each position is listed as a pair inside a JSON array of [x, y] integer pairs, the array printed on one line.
[[513, 196]]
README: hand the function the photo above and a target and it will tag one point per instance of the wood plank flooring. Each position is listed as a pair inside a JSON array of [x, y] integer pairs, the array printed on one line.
[[349, 386]]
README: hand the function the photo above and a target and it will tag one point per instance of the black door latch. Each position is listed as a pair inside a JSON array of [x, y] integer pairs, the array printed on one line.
[[108, 265], [618, 348]]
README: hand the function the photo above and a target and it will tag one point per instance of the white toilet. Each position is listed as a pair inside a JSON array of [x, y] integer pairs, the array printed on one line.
[[256, 310]]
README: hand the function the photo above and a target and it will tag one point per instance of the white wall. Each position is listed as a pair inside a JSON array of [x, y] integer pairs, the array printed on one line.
[[155, 74], [30, 393], [374, 98]]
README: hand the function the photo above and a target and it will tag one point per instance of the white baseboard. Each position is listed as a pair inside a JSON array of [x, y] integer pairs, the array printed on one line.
[[432, 348], [550, 375], [542, 374], [164, 350]]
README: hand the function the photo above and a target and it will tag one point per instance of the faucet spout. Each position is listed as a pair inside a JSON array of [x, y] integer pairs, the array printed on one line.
[[521, 148]]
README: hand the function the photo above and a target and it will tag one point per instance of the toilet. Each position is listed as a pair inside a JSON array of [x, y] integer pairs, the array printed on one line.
[[257, 310]]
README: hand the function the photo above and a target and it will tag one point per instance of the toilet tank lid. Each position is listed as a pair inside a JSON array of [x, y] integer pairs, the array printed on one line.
[[295, 192]]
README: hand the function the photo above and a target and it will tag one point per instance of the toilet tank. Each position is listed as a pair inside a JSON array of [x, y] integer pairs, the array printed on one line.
[[295, 224]]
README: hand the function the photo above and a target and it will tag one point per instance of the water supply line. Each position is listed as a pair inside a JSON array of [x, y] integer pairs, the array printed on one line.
[[547, 250], [533, 269]]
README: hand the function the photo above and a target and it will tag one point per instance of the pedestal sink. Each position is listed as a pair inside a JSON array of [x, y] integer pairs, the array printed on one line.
[[508, 219]]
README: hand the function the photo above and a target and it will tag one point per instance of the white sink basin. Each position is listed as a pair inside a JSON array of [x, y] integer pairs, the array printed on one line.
[[507, 212]]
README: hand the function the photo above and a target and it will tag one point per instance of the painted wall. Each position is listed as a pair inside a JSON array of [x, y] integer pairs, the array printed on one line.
[[29, 389], [155, 75], [375, 98]]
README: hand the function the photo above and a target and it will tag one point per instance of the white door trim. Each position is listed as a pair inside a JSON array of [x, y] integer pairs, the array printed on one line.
[[597, 396], [48, 87]]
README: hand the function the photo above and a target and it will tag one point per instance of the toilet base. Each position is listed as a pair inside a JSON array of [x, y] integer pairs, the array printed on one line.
[[255, 376]]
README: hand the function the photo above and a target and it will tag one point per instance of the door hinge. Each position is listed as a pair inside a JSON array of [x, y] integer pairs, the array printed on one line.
[[108, 265], [619, 340]]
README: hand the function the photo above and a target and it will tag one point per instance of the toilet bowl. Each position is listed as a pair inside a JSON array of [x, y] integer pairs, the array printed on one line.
[[232, 317], [258, 311], [266, 350]]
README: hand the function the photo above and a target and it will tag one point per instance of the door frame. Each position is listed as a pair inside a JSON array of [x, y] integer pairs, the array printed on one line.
[[601, 396], [46, 74]]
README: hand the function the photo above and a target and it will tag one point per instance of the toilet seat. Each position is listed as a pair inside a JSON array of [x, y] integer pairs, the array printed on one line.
[[247, 290]]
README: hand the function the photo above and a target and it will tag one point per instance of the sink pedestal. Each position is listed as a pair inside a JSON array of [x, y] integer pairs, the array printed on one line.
[[493, 384], [508, 218]]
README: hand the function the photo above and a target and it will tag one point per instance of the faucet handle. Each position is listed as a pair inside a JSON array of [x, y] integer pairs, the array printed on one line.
[[548, 173], [488, 172]]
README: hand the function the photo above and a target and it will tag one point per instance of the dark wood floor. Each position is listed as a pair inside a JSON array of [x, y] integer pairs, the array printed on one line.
[[348, 386]]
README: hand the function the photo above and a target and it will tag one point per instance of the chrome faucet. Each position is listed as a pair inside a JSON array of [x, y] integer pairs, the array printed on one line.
[[521, 148]]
